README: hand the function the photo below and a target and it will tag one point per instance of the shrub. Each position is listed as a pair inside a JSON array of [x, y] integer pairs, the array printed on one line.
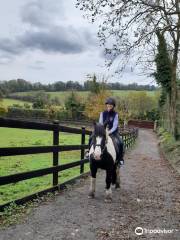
[[26, 113]]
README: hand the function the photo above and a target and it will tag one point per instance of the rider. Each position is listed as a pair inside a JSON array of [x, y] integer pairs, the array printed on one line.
[[109, 118]]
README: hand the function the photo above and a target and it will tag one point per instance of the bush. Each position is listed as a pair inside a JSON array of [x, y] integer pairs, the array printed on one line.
[[3, 111], [39, 104], [26, 113], [165, 137], [52, 112], [170, 147], [63, 115], [153, 115]]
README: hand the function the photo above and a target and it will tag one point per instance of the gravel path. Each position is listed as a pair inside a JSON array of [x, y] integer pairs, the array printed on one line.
[[148, 198]]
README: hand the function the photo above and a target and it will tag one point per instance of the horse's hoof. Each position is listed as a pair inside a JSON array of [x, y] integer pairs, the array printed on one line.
[[117, 185], [108, 197], [91, 195], [108, 200]]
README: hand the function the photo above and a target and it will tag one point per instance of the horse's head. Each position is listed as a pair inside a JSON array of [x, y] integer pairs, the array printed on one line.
[[99, 140]]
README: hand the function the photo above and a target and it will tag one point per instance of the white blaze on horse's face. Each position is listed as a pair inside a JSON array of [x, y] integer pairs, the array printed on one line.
[[97, 150]]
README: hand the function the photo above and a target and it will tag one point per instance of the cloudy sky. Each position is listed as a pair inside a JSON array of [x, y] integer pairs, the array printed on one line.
[[48, 41]]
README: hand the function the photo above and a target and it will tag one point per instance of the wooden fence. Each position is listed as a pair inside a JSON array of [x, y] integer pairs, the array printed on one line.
[[141, 124], [128, 136]]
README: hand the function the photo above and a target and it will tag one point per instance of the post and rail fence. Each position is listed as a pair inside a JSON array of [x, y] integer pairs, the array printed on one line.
[[129, 136]]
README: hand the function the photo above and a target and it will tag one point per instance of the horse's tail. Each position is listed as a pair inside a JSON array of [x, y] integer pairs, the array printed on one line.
[[114, 175]]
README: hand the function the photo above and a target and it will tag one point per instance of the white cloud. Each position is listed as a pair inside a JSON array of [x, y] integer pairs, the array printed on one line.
[[47, 41]]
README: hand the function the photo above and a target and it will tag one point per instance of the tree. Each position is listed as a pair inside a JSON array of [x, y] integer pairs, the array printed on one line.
[[137, 105], [42, 99], [163, 76], [163, 72], [1, 95], [94, 86], [127, 29], [74, 105], [123, 106], [96, 103]]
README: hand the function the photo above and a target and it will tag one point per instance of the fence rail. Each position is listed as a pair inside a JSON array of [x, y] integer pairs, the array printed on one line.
[[141, 123], [129, 136]]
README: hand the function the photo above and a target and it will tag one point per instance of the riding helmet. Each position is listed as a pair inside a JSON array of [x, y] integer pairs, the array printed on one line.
[[111, 101]]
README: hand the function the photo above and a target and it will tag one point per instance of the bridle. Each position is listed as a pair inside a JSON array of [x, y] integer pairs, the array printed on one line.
[[99, 145]]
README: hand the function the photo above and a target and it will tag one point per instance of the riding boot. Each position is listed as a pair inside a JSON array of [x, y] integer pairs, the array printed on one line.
[[120, 160]]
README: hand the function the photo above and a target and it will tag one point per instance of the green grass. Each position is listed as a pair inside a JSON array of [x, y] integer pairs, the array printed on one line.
[[16, 164], [62, 95], [9, 102], [125, 93]]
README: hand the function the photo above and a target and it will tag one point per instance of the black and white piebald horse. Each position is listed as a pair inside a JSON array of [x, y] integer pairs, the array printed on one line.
[[102, 154]]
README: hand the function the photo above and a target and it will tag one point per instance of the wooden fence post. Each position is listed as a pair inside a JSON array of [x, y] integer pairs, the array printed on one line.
[[126, 140], [55, 153], [83, 136]]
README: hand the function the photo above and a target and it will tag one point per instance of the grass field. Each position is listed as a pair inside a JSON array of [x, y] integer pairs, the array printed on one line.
[[124, 93], [16, 164], [83, 94], [9, 102]]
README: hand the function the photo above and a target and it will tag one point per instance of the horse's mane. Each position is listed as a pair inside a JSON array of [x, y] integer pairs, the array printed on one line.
[[99, 130]]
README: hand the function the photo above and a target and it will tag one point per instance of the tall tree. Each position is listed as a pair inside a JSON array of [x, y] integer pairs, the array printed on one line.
[[74, 105], [163, 76], [94, 85], [128, 29], [163, 72]]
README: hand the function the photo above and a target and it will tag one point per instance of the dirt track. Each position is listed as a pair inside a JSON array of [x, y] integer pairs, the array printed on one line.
[[149, 198]]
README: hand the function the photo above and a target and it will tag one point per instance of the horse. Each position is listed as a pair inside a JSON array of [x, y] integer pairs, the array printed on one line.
[[102, 154]]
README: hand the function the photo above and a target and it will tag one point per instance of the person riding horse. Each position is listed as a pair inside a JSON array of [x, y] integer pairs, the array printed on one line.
[[109, 118]]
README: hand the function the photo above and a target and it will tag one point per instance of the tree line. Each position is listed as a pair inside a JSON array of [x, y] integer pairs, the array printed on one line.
[[21, 85]]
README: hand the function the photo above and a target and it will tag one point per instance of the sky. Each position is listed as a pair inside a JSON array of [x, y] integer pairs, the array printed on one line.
[[49, 41]]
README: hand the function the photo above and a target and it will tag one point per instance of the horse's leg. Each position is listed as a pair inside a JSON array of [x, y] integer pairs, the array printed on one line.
[[92, 189], [109, 173], [114, 176], [117, 177]]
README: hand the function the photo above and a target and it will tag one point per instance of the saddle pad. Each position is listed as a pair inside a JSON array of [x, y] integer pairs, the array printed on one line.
[[116, 145]]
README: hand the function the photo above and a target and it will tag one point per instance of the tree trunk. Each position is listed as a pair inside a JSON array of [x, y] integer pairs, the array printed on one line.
[[173, 102], [178, 112]]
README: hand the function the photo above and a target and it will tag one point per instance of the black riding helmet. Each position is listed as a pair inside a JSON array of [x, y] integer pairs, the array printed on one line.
[[111, 101]]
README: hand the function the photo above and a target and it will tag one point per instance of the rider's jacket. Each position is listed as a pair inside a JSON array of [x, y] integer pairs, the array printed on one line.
[[111, 118]]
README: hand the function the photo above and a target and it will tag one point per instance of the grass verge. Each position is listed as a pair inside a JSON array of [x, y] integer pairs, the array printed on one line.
[[170, 148]]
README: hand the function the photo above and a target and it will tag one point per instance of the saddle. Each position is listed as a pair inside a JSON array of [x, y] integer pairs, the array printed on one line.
[[116, 145]]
